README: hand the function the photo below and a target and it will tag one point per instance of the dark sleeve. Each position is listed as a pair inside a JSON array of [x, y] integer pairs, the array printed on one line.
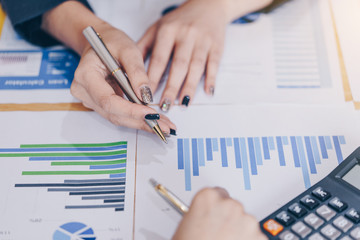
[[26, 18]]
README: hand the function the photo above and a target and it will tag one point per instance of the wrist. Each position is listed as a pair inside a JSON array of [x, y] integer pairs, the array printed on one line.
[[238, 8], [67, 21]]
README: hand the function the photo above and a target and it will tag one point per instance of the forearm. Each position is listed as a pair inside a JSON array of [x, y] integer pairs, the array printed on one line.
[[237, 8], [66, 22]]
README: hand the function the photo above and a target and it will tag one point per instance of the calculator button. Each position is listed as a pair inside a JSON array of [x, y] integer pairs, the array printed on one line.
[[321, 194], [325, 212], [337, 204], [309, 202], [346, 238], [330, 232], [353, 215], [313, 221], [355, 233], [297, 210], [287, 235], [316, 236], [342, 223], [301, 229], [285, 219], [273, 227]]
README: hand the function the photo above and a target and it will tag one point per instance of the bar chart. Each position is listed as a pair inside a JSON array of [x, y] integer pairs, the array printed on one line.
[[100, 169], [299, 50], [250, 154]]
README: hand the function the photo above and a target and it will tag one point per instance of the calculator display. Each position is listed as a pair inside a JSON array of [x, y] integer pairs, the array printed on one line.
[[353, 176]]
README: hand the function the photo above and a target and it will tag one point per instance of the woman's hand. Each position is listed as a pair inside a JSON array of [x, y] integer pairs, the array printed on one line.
[[93, 83], [193, 36], [214, 215]]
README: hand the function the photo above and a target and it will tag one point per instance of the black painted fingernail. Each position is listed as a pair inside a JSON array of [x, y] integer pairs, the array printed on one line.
[[152, 116], [172, 132], [185, 101]]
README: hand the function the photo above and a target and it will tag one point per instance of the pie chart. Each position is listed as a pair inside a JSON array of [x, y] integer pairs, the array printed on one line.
[[74, 231]]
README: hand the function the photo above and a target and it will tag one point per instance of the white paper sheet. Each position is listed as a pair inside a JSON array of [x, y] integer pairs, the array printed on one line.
[[261, 184], [348, 21], [286, 56], [49, 212]]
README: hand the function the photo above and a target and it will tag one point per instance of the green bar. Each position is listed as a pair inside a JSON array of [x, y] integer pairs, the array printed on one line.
[[73, 172], [88, 163], [73, 145], [62, 154]]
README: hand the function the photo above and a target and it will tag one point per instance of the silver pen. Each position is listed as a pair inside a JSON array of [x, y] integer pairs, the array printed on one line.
[[171, 198], [112, 65]]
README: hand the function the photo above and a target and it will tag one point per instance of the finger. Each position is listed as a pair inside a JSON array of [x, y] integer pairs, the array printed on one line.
[[147, 40], [163, 46], [79, 92], [212, 68], [132, 61], [222, 192], [168, 122], [196, 69], [105, 98], [179, 69]]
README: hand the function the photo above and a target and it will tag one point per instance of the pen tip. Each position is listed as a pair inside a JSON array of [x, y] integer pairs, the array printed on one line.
[[153, 182]]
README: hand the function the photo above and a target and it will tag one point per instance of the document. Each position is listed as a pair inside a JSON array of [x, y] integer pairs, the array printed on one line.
[[347, 21], [65, 175], [263, 155]]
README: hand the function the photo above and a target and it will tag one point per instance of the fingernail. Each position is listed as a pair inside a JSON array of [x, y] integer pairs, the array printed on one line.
[[172, 132], [146, 94], [165, 106], [166, 134], [152, 116], [185, 101], [212, 91]]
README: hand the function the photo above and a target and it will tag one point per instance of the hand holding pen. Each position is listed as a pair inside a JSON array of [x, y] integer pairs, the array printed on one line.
[[212, 215], [97, 90]]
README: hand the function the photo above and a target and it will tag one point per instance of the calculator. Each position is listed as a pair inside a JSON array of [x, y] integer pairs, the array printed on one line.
[[328, 210]]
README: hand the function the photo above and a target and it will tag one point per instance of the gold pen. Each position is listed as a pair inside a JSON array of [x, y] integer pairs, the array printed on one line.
[[112, 65], [171, 198]]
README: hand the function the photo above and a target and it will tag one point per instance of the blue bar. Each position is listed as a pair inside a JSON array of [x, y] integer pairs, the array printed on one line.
[[245, 164], [295, 151], [258, 154], [328, 142], [121, 165], [59, 149], [237, 153], [228, 142], [113, 157], [303, 164], [310, 155], [224, 161], [215, 145], [265, 148], [342, 140], [324, 153], [338, 149], [195, 154], [209, 153], [118, 175], [187, 164], [252, 156], [315, 150], [180, 153], [280, 151], [285, 140], [200, 142], [271, 143]]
